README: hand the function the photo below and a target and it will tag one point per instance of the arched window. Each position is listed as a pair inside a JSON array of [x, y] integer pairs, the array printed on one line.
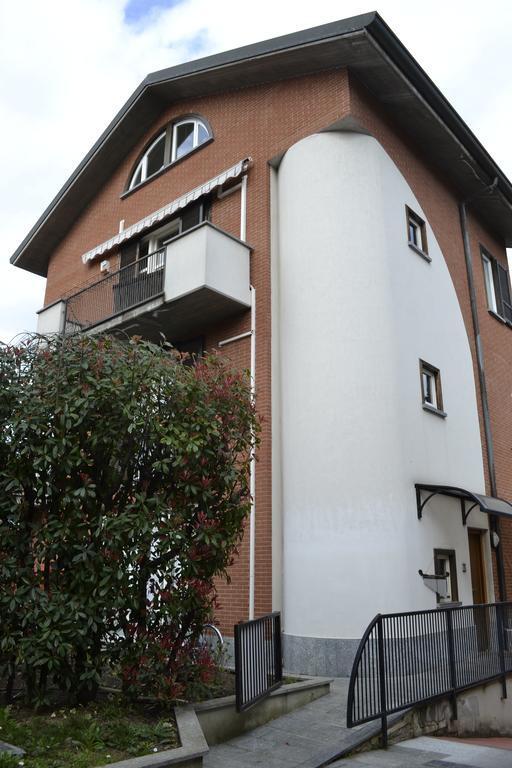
[[175, 141], [151, 161], [187, 135]]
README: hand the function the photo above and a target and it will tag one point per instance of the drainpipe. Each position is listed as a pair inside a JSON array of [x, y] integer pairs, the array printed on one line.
[[483, 384], [252, 334], [252, 467]]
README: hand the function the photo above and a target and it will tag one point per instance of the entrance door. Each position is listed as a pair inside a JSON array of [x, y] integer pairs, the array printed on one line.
[[476, 560]]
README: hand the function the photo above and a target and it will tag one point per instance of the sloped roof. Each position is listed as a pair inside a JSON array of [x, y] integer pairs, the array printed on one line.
[[364, 44]]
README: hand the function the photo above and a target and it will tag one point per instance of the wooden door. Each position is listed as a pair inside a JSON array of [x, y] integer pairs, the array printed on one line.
[[476, 561]]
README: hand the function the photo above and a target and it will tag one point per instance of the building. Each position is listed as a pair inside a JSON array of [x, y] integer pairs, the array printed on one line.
[[315, 207]]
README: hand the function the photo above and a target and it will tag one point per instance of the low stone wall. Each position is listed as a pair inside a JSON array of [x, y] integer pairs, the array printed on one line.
[[189, 755], [220, 721]]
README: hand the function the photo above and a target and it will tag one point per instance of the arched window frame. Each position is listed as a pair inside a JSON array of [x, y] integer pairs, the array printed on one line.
[[169, 134], [142, 165], [196, 121]]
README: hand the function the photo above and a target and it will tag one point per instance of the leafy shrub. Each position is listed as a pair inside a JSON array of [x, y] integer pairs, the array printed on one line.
[[123, 493]]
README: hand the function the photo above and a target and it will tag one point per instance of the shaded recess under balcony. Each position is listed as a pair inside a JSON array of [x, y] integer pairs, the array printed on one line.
[[201, 277]]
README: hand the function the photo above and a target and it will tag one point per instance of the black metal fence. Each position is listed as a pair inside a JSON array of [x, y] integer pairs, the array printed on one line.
[[116, 293], [258, 659], [411, 658]]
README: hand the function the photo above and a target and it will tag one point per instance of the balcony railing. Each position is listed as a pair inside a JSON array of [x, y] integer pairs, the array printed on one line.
[[201, 277], [117, 293]]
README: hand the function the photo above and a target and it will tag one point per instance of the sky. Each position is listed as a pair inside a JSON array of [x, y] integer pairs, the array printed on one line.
[[67, 66]]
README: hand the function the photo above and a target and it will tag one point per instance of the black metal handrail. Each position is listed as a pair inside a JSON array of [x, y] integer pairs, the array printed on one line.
[[412, 658], [121, 290], [258, 659]]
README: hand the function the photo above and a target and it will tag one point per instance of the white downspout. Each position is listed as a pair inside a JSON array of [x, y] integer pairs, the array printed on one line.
[[243, 208], [252, 466]]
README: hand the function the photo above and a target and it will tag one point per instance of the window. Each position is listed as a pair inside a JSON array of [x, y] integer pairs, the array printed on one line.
[[445, 565], [416, 233], [186, 136], [151, 250], [497, 287], [431, 394], [151, 161], [176, 141]]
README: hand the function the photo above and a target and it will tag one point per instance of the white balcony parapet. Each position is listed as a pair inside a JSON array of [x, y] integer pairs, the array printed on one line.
[[202, 276], [50, 319], [207, 257]]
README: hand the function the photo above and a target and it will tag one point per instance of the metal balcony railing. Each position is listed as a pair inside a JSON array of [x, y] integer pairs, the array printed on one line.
[[118, 292]]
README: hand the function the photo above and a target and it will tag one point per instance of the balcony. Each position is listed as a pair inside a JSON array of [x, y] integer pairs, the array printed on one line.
[[201, 277]]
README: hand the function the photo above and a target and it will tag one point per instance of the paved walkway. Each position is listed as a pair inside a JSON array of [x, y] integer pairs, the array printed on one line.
[[317, 731], [427, 752], [295, 740]]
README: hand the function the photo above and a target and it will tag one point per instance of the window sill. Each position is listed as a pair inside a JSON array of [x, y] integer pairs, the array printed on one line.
[[435, 411], [419, 252], [499, 318], [163, 170], [454, 604]]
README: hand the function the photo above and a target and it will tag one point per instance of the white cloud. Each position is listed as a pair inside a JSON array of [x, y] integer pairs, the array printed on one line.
[[68, 66]]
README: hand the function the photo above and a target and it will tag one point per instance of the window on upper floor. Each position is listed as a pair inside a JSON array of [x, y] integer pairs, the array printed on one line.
[[174, 142], [416, 233], [497, 287], [431, 392], [186, 136]]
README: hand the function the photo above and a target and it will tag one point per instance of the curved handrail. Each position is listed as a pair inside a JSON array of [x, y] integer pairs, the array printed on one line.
[[355, 669], [414, 657]]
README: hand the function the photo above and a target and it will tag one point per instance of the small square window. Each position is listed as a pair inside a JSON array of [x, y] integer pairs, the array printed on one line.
[[431, 394], [416, 233], [445, 565]]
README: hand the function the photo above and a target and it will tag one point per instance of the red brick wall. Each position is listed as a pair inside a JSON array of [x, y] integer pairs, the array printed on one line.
[[259, 122], [262, 122]]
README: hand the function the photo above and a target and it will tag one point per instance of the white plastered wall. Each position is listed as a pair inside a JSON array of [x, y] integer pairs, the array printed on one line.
[[356, 310]]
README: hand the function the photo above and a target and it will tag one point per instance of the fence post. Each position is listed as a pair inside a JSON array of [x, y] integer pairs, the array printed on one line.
[[382, 683], [451, 660], [278, 654], [238, 668], [501, 645]]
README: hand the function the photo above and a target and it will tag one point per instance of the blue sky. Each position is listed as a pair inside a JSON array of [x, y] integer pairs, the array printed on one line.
[[136, 10]]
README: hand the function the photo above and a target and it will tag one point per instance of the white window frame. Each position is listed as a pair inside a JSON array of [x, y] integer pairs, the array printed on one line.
[[418, 225], [155, 259], [170, 148], [143, 163], [434, 376], [490, 288], [195, 138]]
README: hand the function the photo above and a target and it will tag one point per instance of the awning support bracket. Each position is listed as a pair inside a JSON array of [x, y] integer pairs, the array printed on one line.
[[421, 504], [465, 512]]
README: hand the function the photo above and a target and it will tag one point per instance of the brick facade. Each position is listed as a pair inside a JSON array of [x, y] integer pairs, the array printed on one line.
[[262, 122]]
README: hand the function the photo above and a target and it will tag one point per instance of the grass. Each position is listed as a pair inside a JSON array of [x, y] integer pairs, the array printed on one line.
[[83, 737]]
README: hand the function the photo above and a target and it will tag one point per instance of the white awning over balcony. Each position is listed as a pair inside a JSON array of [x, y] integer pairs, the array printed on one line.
[[167, 211]]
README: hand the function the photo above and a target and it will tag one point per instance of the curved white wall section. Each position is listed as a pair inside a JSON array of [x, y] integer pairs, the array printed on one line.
[[357, 309]]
